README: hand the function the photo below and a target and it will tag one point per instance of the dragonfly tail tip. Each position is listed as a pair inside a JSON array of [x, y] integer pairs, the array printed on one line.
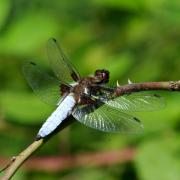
[[38, 137]]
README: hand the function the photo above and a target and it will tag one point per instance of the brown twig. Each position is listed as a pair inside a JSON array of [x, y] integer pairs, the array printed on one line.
[[18, 160], [7, 165], [59, 163], [147, 86], [118, 91], [13, 166]]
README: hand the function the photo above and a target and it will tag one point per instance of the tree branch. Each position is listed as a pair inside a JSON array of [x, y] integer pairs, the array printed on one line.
[[17, 161], [12, 167], [147, 86]]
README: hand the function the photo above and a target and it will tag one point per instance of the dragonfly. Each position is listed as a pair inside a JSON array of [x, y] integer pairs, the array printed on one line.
[[88, 99]]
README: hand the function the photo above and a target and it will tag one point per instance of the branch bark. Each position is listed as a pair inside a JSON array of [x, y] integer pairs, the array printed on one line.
[[118, 91], [147, 86], [15, 162]]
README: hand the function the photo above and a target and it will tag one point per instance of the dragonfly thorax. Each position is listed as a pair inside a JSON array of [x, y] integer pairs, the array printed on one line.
[[86, 88]]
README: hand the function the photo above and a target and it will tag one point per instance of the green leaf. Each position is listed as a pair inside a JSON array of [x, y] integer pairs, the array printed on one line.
[[123, 4], [27, 33], [23, 108], [4, 10], [159, 159]]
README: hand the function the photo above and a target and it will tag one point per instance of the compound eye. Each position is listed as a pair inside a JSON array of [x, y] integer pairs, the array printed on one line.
[[102, 76]]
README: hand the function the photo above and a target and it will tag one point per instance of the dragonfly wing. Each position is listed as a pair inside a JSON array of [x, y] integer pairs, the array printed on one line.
[[137, 102], [60, 64], [44, 85], [106, 118]]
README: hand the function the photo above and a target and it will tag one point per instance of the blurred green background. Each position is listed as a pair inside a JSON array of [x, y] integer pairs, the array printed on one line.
[[132, 39]]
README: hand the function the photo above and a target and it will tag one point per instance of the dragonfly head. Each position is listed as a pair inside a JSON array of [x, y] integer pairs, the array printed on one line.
[[101, 76]]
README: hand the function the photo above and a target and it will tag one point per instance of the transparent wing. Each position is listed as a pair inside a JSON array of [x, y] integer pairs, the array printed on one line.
[[137, 102], [44, 85], [60, 63], [106, 118]]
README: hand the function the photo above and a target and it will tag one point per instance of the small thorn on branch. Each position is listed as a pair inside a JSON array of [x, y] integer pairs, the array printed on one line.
[[129, 81], [117, 83]]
